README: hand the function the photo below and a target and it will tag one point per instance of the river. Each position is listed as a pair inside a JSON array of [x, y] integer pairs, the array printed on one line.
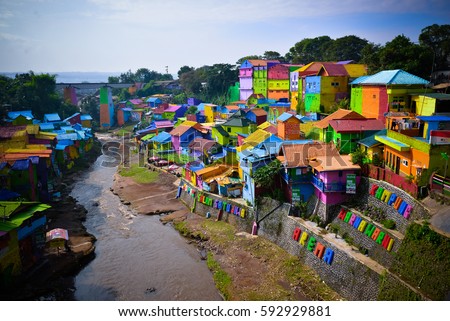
[[137, 257]]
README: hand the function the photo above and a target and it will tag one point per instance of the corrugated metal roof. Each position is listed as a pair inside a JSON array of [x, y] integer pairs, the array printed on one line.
[[333, 163], [161, 138], [356, 70], [435, 118], [371, 141], [46, 126], [338, 114], [393, 77], [333, 69], [297, 155], [201, 144], [52, 117], [285, 116], [356, 125], [26, 113], [359, 80], [255, 138], [437, 96], [238, 122], [85, 117]]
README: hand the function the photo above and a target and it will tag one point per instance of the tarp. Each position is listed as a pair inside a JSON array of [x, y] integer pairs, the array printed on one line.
[[57, 233], [21, 165]]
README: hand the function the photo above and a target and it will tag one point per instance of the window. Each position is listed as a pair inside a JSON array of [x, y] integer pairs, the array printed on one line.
[[229, 129], [335, 84], [340, 173], [405, 162]]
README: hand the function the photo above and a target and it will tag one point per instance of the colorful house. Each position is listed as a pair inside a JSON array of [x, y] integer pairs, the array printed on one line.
[[184, 134], [429, 104], [255, 99], [154, 102], [321, 127], [277, 81], [22, 237], [346, 133], [275, 110], [173, 112], [326, 88], [106, 108], [204, 149], [22, 117], [257, 115], [288, 126], [386, 91], [51, 118], [372, 147], [86, 120], [414, 150], [237, 124], [253, 158], [211, 112], [161, 142], [253, 77], [297, 177], [335, 178]]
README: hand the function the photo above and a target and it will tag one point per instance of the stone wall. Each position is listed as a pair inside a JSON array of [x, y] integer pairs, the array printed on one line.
[[360, 240], [349, 277], [418, 212], [244, 224]]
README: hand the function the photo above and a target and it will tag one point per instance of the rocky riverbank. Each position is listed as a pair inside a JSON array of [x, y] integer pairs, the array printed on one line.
[[52, 278]]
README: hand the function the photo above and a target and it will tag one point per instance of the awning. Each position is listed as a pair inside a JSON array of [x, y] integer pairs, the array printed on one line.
[[393, 143]]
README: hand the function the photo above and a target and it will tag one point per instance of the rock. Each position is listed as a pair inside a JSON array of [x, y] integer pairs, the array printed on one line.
[[150, 290], [126, 203], [95, 204]]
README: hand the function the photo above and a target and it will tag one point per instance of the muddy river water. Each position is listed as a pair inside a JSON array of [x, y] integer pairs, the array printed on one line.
[[137, 257]]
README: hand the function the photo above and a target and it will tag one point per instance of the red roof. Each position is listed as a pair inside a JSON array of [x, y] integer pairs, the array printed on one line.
[[332, 69], [201, 144], [338, 114], [259, 111], [356, 125], [9, 131]]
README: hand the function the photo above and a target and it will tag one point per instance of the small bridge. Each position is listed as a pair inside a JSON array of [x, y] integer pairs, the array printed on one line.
[[90, 85]]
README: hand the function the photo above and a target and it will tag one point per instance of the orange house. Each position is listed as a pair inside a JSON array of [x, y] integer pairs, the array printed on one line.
[[288, 127]]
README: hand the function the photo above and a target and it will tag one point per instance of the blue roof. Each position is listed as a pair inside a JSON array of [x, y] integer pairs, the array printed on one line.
[[21, 165], [391, 77], [162, 138], [52, 117], [60, 146], [285, 116], [153, 99], [67, 128], [359, 80], [371, 141], [6, 194], [71, 136], [85, 117], [46, 126], [3, 165], [434, 118], [26, 113]]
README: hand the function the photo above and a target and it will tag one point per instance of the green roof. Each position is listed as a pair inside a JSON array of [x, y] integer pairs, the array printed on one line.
[[15, 213], [238, 122], [221, 131]]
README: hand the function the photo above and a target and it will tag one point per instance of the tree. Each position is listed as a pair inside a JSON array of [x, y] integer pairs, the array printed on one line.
[[401, 53], [437, 38], [273, 55], [90, 105], [265, 175], [113, 80], [370, 57], [192, 110], [241, 60], [184, 69], [345, 48], [309, 50]]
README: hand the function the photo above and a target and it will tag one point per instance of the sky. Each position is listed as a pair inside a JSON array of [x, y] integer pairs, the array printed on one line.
[[120, 35]]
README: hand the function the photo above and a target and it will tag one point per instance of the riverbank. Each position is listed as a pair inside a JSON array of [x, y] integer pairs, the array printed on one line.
[[52, 278], [244, 267]]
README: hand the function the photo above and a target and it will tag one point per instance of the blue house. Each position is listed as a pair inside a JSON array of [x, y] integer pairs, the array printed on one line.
[[252, 159], [154, 102]]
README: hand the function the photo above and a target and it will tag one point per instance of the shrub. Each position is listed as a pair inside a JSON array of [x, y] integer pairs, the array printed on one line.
[[389, 224]]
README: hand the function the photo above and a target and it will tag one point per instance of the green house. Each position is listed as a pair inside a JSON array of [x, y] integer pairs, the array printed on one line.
[[346, 133]]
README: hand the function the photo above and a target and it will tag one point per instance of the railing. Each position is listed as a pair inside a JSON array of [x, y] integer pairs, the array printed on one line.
[[440, 183], [387, 175], [328, 187]]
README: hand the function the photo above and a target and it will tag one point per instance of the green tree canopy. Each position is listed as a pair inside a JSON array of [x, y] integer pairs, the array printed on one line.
[[241, 60], [308, 50], [345, 48], [265, 175], [437, 38]]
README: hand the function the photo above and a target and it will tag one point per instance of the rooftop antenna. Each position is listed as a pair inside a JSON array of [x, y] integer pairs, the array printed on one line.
[[167, 69]]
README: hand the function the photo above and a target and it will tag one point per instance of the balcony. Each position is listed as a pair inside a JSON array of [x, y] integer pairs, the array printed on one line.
[[329, 187]]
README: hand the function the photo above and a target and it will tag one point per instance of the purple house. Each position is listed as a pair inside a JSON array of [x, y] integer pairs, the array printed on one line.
[[176, 111], [186, 133], [193, 101], [335, 178]]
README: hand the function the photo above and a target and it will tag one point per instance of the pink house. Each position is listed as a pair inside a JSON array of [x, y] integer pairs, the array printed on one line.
[[335, 178]]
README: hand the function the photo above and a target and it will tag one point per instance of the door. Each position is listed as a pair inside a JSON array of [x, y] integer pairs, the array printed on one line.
[[397, 164]]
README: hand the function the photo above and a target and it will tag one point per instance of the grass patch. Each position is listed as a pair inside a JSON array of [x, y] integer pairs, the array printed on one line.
[[220, 232], [184, 230], [139, 174], [126, 130], [221, 278], [423, 261]]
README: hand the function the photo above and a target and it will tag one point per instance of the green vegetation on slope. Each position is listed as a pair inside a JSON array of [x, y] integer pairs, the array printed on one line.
[[139, 174], [423, 260]]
